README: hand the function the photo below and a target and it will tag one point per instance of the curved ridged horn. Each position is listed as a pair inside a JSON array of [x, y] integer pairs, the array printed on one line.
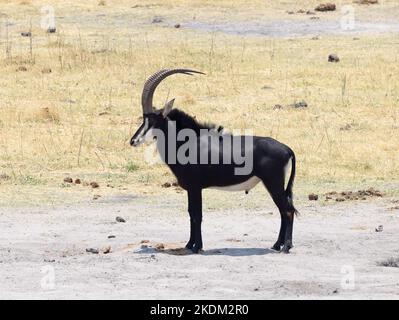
[[152, 83]]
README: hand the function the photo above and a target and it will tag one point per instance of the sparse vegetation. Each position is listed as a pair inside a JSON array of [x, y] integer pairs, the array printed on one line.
[[131, 167]]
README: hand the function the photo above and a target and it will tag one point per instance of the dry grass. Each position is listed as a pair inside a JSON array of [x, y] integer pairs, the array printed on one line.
[[78, 118]]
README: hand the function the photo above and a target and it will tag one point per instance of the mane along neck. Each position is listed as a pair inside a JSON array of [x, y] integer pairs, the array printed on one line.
[[185, 121]]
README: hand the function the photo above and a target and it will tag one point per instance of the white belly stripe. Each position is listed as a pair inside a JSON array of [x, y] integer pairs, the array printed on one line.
[[243, 186]]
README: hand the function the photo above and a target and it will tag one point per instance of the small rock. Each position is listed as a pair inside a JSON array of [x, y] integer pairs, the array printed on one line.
[[26, 34], [94, 184], [313, 197], [277, 107], [245, 234], [315, 37], [22, 68], [175, 184], [92, 250], [339, 199], [111, 236], [68, 180], [366, 2], [78, 181], [326, 7], [4, 176], [266, 87], [310, 12], [106, 249], [166, 185], [46, 70], [144, 241], [301, 11], [335, 291], [333, 58], [120, 219], [301, 104], [96, 196], [314, 18], [160, 246], [290, 12], [380, 228], [177, 25], [49, 260], [157, 19], [51, 30], [356, 38]]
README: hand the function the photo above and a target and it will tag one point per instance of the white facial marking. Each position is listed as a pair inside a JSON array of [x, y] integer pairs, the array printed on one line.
[[141, 137], [243, 186], [149, 136]]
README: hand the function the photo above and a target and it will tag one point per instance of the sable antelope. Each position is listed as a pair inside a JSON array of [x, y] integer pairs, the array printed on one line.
[[210, 164]]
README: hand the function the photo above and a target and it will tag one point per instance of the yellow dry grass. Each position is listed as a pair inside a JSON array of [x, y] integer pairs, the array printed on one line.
[[77, 119]]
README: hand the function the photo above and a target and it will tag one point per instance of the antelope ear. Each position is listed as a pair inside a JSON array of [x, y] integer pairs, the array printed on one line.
[[167, 108]]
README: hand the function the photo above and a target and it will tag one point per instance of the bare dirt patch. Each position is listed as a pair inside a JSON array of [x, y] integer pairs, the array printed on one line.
[[353, 195], [236, 263]]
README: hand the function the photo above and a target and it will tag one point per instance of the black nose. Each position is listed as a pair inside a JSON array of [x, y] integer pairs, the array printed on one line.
[[132, 142]]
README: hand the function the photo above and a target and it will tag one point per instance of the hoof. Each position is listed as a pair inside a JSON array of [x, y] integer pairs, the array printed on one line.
[[286, 248], [195, 249], [189, 245], [276, 247]]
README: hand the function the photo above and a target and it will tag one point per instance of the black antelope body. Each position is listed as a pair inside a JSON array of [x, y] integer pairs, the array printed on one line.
[[212, 165]]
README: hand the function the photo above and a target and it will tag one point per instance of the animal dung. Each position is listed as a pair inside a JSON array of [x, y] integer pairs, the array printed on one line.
[[94, 184], [111, 236], [68, 180], [26, 34], [106, 249], [326, 7], [313, 197], [177, 25], [78, 181], [333, 58], [120, 219]]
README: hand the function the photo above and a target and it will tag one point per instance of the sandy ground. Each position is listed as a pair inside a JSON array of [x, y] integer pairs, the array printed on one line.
[[43, 252]]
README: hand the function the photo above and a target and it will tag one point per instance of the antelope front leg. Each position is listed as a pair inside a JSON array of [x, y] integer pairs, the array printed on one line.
[[195, 210]]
